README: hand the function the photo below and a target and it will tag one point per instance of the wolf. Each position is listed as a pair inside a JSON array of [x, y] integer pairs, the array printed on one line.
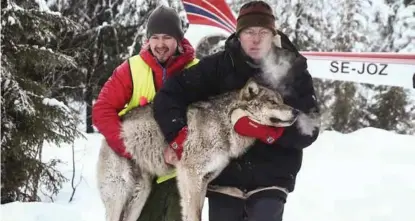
[[211, 143]]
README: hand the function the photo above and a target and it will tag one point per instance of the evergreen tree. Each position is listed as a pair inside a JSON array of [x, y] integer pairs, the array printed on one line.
[[38, 77], [390, 112]]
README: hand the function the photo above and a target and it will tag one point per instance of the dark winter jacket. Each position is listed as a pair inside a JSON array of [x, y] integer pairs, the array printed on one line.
[[263, 165]]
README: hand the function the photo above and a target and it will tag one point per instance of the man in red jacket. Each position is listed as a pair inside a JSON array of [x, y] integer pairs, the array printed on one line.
[[165, 53]]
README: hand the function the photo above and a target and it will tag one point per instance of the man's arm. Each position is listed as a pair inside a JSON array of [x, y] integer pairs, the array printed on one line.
[[115, 93], [304, 100], [190, 85]]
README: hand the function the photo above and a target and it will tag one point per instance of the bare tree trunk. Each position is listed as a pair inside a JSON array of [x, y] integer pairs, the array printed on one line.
[[37, 172], [73, 174], [88, 103], [93, 61], [163, 203]]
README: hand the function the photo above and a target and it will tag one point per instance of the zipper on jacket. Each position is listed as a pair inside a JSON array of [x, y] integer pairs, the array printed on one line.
[[164, 72], [163, 78]]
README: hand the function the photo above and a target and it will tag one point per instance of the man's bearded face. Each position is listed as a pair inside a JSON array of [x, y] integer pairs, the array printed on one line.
[[163, 46]]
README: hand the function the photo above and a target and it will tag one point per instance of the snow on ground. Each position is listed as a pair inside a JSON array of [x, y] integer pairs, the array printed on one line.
[[365, 175]]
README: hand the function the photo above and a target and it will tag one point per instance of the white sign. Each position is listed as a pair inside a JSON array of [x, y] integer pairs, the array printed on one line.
[[390, 69]]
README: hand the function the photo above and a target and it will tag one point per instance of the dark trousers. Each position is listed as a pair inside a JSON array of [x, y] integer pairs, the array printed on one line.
[[256, 208]]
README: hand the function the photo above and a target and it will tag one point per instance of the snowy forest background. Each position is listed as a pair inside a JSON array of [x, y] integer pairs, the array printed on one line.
[[56, 55]]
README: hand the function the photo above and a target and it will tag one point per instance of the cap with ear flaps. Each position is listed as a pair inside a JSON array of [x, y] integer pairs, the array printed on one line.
[[165, 20], [255, 13]]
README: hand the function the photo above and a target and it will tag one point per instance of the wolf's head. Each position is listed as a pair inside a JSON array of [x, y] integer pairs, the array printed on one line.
[[266, 106]]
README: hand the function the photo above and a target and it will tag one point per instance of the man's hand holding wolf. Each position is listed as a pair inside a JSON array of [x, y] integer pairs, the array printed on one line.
[[242, 124]]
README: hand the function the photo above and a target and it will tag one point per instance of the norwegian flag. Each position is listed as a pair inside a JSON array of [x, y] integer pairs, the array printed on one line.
[[210, 12]]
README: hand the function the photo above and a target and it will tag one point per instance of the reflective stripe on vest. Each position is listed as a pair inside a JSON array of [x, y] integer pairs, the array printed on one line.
[[143, 82]]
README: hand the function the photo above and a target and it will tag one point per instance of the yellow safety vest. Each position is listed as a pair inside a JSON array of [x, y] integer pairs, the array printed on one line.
[[143, 82], [143, 86]]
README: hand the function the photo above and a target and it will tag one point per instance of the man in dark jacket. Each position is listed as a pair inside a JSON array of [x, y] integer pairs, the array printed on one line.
[[267, 172]]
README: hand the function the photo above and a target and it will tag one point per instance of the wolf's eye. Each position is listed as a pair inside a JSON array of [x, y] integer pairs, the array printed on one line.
[[273, 102]]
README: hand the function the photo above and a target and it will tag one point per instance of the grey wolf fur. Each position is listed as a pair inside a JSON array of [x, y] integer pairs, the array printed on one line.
[[211, 142]]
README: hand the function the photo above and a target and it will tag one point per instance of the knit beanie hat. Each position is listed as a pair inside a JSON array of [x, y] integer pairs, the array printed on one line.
[[165, 20], [255, 13]]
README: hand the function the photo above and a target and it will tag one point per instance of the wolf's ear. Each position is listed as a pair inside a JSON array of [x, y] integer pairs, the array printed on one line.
[[277, 41], [250, 90]]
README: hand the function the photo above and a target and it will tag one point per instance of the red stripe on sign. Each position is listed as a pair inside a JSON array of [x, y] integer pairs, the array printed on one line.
[[397, 58], [362, 55]]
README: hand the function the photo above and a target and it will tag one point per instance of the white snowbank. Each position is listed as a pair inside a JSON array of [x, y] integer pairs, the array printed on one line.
[[365, 175]]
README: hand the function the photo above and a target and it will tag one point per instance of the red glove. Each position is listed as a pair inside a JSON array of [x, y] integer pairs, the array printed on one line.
[[119, 148], [177, 143], [267, 134]]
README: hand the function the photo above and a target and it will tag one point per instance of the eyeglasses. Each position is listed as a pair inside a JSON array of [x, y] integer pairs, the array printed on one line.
[[262, 34]]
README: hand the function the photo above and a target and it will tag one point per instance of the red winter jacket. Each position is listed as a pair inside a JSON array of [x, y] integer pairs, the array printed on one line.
[[117, 92]]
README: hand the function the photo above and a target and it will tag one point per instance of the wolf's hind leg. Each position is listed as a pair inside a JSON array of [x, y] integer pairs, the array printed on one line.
[[139, 197], [203, 194], [114, 208], [191, 188], [205, 182], [114, 195], [114, 187]]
